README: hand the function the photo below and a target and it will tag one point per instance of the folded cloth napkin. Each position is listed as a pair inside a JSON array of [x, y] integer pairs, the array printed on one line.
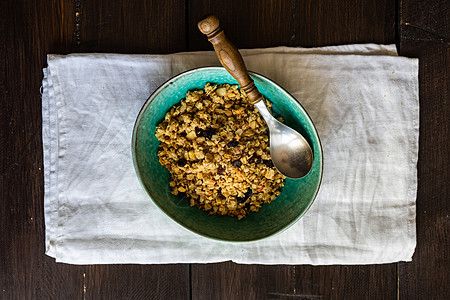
[[363, 100]]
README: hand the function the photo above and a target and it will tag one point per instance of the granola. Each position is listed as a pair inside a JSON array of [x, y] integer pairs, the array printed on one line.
[[216, 147]]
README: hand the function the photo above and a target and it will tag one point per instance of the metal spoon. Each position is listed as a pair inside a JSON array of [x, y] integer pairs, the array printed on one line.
[[290, 152]]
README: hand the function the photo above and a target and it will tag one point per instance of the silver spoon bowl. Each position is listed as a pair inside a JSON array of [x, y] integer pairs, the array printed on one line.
[[290, 152]]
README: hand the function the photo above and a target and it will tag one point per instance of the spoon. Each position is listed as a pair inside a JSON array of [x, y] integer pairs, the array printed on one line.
[[290, 152]]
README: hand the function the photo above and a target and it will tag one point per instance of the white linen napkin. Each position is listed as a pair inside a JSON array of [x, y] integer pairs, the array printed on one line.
[[363, 100]]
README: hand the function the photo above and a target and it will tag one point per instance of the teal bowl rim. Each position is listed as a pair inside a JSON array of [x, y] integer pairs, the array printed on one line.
[[136, 168]]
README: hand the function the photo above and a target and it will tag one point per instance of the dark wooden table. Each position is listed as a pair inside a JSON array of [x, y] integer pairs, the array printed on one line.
[[31, 29]]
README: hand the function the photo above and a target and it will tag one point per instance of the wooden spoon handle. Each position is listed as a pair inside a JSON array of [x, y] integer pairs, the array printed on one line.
[[229, 56]]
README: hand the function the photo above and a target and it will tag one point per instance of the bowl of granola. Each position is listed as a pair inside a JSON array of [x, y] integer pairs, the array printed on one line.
[[201, 152]]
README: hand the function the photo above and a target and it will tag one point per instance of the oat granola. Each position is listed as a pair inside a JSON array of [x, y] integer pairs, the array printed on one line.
[[216, 147]]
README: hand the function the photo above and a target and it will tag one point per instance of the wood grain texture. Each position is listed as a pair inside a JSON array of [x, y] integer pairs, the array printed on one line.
[[137, 282], [126, 26], [424, 33], [232, 281], [307, 23], [29, 30]]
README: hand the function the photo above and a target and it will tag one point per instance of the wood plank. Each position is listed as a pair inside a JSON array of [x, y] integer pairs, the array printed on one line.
[[137, 282], [424, 33], [232, 281], [128, 26], [266, 23], [252, 24], [28, 32]]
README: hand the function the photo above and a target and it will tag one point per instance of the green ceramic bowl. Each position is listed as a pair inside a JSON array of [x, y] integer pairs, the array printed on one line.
[[295, 198]]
